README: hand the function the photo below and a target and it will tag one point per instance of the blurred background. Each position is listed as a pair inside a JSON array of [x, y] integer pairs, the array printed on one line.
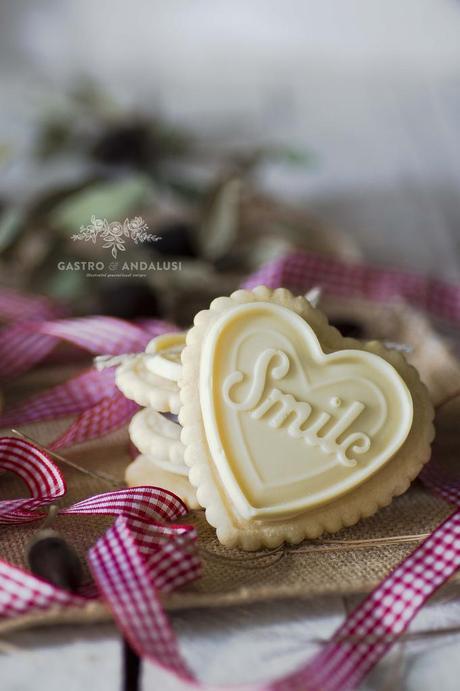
[[236, 132]]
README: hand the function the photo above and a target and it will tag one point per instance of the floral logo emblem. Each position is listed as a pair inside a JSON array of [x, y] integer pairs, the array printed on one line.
[[115, 234]]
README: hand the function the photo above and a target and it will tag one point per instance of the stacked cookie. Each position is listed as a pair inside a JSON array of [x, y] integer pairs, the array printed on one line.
[[151, 380], [288, 430]]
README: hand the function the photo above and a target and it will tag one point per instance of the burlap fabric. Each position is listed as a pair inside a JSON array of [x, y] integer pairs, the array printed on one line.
[[351, 561]]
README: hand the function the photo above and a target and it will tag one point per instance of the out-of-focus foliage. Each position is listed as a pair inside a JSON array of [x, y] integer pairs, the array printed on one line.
[[216, 224]]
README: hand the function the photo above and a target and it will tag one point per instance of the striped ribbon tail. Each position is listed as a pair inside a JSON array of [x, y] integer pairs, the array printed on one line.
[[23, 593], [109, 414], [130, 582], [70, 398], [300, 271], [41, 476], [375, 625], [16, 306], [26, 343], [91, 395]]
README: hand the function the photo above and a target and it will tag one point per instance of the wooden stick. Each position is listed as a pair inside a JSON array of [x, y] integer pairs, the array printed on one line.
[[131, 668]]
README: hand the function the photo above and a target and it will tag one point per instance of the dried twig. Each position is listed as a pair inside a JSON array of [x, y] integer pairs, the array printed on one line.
[[104, 477]]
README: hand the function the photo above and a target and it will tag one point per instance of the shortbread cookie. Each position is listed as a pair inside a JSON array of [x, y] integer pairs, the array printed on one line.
[[146, 471], [138, 384], [165, 351], [153, 434], [290, 429]]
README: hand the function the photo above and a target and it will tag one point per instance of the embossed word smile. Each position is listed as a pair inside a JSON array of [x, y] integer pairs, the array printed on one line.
[[279, 407]]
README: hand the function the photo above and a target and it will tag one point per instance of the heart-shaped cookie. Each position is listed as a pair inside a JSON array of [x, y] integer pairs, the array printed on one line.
[[290, 429]]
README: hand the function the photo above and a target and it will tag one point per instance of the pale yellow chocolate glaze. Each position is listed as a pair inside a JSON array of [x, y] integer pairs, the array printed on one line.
[[156, 436], [289, 427], [146, 470], [164, 355], [138, 384], [326, 389]]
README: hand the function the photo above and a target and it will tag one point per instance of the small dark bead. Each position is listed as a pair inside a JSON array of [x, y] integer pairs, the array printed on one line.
[[349, 328], [50, 557], [128, 300], [125, 144], [176, 240]]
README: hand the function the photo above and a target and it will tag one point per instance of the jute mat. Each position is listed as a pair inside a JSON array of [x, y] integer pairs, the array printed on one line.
[[351, 561]]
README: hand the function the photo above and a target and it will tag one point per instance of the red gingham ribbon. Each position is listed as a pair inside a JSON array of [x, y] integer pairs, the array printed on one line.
[[374, 626], [40, 475], [92, 395], [301, 271], [144, 526], [107, 415], [367, 634], [15, 306], [74, 396], [24, 344], [23, 593], [144, 553], [131, 578]]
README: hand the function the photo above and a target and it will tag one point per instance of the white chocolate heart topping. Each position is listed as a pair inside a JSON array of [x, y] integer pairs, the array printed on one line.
[[288, 426]]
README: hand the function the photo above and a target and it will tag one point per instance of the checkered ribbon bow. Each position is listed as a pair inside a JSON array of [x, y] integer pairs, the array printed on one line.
[[143, 554]]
